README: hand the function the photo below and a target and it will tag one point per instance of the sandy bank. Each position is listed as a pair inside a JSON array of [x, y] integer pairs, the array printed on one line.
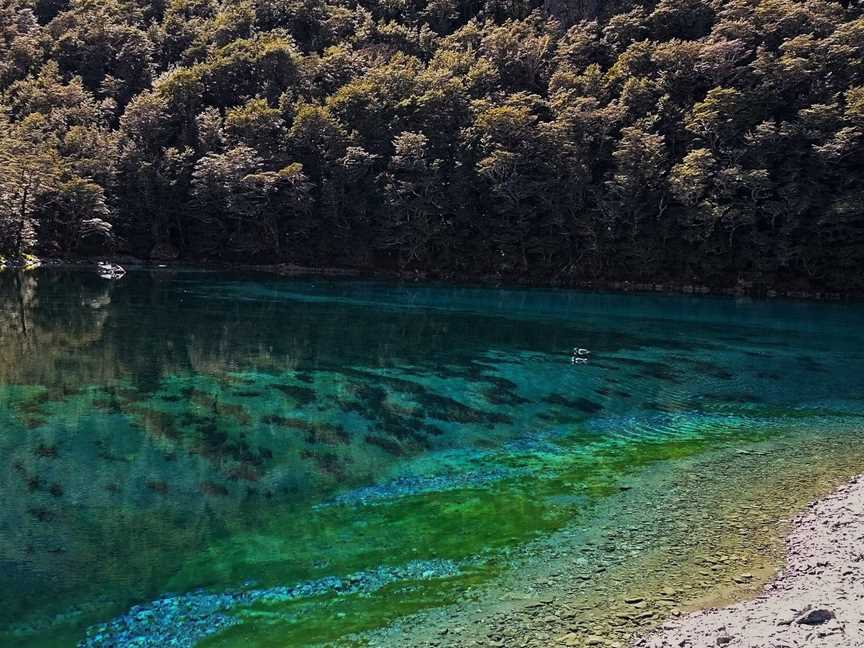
[[817, 600]]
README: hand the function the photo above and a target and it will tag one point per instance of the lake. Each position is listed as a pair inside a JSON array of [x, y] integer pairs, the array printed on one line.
[[200, 458]]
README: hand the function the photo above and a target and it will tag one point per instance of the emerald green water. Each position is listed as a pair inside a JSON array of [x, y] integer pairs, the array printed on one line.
[[328, 456]]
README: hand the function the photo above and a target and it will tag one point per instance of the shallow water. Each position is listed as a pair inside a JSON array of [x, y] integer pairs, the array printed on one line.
[[250, 461]]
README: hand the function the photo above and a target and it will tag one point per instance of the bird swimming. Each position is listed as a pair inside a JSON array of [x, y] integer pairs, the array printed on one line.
[[579, 356]]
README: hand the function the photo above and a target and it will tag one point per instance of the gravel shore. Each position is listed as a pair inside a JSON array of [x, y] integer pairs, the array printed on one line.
[[817, 600], [708, 533]]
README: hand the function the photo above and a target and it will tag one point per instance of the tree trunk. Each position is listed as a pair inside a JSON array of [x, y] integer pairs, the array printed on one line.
[[22, 222]]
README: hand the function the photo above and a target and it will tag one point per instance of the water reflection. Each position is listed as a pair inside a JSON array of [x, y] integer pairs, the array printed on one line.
[[150, 423]]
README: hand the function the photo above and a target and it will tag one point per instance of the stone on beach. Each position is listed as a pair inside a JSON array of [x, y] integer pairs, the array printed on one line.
[[815, 601], [815, 617]]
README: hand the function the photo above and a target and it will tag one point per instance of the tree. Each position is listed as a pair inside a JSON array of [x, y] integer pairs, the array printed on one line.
[[512, 163], [257, 125], [104, 38], [20, 41], [411, 188], [224, 195], [718, 119], [555, 140], [636, 187], [77, 219], [265, 65], [691, 178], [246, 207], [28, 174]]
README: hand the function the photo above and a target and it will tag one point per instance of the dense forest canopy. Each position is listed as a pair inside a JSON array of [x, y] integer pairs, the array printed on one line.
[[562, 140]]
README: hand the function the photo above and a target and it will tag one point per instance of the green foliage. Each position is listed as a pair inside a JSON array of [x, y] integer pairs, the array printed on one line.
[[626, 140]]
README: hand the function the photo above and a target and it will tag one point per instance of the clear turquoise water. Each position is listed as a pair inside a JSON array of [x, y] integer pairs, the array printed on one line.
[[245, 436]]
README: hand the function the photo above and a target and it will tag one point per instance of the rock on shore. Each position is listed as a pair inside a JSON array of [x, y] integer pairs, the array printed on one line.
[[818, 600]]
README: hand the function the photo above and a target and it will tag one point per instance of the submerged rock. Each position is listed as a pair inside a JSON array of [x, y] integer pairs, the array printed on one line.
[[406, 486], [183, 620]]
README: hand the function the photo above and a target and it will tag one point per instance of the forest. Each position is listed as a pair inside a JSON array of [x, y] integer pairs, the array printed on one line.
[[557, 141]]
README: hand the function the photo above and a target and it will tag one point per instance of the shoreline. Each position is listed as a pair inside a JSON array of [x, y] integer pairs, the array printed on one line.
[[558, 594], [818, 596], [742, 289]]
